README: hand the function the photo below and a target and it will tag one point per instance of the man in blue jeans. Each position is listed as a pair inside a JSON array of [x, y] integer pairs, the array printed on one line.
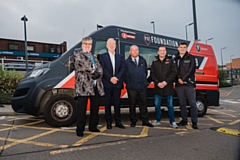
[[163, 72]]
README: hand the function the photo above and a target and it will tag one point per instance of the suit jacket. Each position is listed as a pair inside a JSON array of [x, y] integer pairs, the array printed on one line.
[[83, 75], [106, 64], [135, 76]]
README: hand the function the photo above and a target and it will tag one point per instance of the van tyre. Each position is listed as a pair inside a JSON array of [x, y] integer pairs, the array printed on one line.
[[60, 111], [201, 106]]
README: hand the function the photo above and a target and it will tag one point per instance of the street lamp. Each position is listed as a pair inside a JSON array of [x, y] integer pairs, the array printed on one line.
[[221, 56], [153, 26], [186, 29], [208, 39], [24, 18], [231, 70]]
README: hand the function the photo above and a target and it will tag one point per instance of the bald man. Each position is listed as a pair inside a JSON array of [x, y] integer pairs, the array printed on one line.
[[135, 77]]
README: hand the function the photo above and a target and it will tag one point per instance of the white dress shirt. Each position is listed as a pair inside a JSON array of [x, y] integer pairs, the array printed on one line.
[[112, 57], [137, 59]]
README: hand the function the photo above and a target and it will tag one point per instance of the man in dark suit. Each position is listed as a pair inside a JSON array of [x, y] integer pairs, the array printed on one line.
[[113, 69], [135, 78]]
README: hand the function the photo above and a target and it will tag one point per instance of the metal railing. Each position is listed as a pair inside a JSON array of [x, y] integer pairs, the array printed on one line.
[[19, 64]]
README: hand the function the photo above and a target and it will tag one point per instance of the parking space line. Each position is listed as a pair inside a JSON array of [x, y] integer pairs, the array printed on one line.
[[215, 120], [224, 113], [11, 118], [17, 126], [92, 135], [234, 122], [26, 142], [87, 147], [168, 128], [30, 138], [189, 127], [41, 128], [144, 132], [229, 92]]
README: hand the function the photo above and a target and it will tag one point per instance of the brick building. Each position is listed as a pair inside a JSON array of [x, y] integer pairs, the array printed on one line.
[[235, 67], [15, 49]]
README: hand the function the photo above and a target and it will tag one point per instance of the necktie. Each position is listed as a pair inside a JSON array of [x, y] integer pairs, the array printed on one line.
[[135, 61]]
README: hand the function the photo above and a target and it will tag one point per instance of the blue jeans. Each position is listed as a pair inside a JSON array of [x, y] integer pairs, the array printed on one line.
[[157, 102]]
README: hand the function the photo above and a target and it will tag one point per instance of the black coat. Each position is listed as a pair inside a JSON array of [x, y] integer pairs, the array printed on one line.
[[163, 71], [186, 67], [135, 76]]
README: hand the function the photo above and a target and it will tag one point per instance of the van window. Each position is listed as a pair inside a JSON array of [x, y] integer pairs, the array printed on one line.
[[100, 47], [148, 53]]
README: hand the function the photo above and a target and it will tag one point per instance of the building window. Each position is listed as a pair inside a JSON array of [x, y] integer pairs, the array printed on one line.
[[59, 50], [30, 48], [52, 49], [14, 47]]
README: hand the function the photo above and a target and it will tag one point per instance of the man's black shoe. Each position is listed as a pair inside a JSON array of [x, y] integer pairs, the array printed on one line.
[[80, 134], [147, 124], [119, 125], [109, 126], [182, 123], [94, 130], [133, 124], [194, 125]]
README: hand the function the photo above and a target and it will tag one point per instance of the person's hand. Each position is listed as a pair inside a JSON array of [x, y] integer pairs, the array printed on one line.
[[164, 83], [160, 85], [114, 80], [180, 81]]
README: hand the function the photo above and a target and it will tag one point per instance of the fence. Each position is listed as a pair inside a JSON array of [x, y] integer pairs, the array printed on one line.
[[19, 64]]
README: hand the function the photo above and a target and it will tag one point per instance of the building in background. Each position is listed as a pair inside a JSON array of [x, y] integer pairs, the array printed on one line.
[[233, 67], [39, 51]]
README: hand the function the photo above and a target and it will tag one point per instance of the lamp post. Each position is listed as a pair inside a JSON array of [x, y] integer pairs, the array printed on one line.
[[24, 18], [208, 39], [231, 70], [186, 29], [153, 26], [221, 56]]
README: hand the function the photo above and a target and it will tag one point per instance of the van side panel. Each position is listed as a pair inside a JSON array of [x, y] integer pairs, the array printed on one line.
[[206, 72]]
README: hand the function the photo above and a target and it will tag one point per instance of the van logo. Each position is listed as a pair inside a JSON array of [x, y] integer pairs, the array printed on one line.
[[198, 48], [125, 36], [147, 39]]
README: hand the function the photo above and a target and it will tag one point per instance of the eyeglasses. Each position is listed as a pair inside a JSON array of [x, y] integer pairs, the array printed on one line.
[[87, 43]]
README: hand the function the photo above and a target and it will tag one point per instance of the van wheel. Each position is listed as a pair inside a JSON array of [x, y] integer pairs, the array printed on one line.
[[201, 106], [60, 111]]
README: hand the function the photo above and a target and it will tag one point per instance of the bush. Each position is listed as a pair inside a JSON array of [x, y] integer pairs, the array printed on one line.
[[8, 83], [225, 84]]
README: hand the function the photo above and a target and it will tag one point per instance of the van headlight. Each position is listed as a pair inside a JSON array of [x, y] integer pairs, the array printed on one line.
[[38, 72]]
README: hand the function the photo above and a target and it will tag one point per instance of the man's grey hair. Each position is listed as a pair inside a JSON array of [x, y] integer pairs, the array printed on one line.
[[86, 39]]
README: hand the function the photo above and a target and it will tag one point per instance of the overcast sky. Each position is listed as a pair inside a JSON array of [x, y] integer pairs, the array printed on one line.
[[55, 21]]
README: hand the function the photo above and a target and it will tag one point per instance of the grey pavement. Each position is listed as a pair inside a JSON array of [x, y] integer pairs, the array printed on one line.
[[6, 110]]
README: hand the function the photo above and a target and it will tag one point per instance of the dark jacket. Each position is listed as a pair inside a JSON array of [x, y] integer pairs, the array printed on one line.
[[164, 70], [135, 76], [186, 67], [83, 76], [106, 64]]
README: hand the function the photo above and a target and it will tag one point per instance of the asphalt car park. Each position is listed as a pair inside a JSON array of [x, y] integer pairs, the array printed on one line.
[[218, 137], [24, 134]]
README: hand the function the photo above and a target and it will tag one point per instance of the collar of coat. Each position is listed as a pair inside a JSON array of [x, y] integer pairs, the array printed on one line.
[[167, 58], [130, 58], [185, 55]]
